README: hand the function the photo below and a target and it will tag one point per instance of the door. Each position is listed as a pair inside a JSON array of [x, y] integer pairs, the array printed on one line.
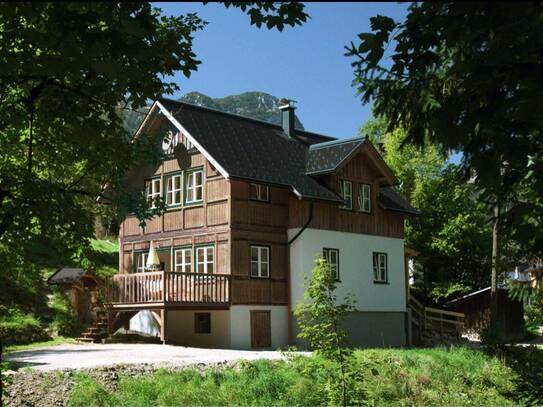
[[260, 329]]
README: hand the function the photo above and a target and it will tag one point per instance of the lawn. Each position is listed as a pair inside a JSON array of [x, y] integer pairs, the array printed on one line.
[[440, 376], [59, 340]]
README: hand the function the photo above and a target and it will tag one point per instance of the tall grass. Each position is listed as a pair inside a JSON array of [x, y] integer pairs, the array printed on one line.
[[456, 376]]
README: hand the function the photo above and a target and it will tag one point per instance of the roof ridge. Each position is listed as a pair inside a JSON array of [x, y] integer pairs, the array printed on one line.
[[237, 116], [336, 142]]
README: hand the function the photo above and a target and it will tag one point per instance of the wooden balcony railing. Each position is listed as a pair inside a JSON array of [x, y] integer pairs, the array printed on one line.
[[168, 287]]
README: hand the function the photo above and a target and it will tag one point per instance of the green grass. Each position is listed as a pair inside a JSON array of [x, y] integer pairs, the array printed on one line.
[[456, 376], [60, 340], [104, 246]]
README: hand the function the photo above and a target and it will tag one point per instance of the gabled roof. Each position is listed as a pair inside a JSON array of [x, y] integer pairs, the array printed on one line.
[[327, 157], [390, 200], [251, 149], [66, 276]]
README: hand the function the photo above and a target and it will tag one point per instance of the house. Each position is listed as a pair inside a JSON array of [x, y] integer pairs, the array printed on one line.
[[250, 206]]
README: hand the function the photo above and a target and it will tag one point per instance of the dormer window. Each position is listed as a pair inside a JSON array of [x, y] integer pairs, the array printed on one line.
[[153, 188], [364, 198], [259, 192], [346, 192]]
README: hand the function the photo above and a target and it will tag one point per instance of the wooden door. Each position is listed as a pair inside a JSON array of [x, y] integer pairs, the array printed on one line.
[[260, 329]]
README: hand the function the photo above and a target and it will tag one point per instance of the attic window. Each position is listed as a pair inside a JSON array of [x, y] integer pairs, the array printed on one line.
[[364, 198], [259, 192], [153, 189], [346, 192], [195, 186]]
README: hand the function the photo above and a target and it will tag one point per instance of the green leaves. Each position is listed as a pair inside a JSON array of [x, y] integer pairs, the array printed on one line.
[[272, 14], [73, 66], [467, 78]]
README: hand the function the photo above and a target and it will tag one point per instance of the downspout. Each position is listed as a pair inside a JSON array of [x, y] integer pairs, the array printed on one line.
[[289, 306], [309, 219]]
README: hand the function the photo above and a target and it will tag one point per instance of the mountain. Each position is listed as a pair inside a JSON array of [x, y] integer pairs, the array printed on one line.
[[257, 105]]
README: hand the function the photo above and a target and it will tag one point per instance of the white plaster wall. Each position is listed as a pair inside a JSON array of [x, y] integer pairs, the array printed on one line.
[[145, 323], [355, 267], [240, 322], [180, 329]]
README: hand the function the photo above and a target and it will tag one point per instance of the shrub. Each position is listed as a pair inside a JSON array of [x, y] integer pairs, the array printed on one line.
[[533, 313], [65, 321], [17, 328]]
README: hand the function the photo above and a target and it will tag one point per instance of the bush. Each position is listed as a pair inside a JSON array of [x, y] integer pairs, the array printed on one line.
[[534, 314], [18, 328], [65, 321]]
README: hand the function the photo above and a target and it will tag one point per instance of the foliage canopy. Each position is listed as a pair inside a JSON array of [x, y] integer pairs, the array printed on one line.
[[467, 77]]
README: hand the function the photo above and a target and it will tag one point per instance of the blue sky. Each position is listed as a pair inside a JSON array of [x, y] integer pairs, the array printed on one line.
[[304, 63]]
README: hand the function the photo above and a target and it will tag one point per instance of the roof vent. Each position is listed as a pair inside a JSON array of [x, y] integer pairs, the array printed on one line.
[[287, 115]]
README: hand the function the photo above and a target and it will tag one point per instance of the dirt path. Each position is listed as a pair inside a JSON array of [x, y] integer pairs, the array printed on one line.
[[83, 356]]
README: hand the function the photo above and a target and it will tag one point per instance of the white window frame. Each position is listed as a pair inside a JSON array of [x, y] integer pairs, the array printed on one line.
[[327, 254], [171, 192], [345, 195], [152, 192], [193, 187], [263, 257], [206, 261], [262, 192], [183, 266], [142, 257], [364, 198], [380, 267]]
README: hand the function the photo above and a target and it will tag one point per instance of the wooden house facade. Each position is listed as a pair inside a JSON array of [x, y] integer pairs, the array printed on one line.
[[249, 206]]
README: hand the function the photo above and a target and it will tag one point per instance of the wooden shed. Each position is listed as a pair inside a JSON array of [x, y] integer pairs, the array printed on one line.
[[476, 307], [84, 287]]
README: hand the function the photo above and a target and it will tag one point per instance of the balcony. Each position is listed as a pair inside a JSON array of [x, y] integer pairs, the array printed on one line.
[[160, 288]]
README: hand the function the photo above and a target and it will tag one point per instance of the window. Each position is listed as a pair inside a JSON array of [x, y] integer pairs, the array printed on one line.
[[260, 261], [259, 192], [153, 190], [183, 260], [142, 259], [364, 198], [380, 268], [204, 259], [346, 191], [173, 190], [332, 258], [195, 186], [202, 322]]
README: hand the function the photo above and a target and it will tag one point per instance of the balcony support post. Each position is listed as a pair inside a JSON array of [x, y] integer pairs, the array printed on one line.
[[163, 325]]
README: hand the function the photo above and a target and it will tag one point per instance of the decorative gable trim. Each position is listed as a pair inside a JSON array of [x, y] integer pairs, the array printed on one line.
[[194, 142]]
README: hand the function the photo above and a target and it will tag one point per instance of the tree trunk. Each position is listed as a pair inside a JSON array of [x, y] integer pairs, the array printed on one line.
[[494, 272]]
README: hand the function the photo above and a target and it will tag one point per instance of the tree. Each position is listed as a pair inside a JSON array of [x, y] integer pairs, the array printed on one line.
[[65, 71], [452, 234], [467, 78], [321, 318]]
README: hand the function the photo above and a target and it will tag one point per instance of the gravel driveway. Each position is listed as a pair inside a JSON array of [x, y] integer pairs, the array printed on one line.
[[93, 355]]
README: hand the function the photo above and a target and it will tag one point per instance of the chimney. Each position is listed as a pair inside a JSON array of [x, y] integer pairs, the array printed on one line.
[[287, 115]]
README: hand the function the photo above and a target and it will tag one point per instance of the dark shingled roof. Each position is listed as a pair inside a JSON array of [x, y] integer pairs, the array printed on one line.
[[326, 157], [66, 276], [253, 150], [259, 151], [390, 200]]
